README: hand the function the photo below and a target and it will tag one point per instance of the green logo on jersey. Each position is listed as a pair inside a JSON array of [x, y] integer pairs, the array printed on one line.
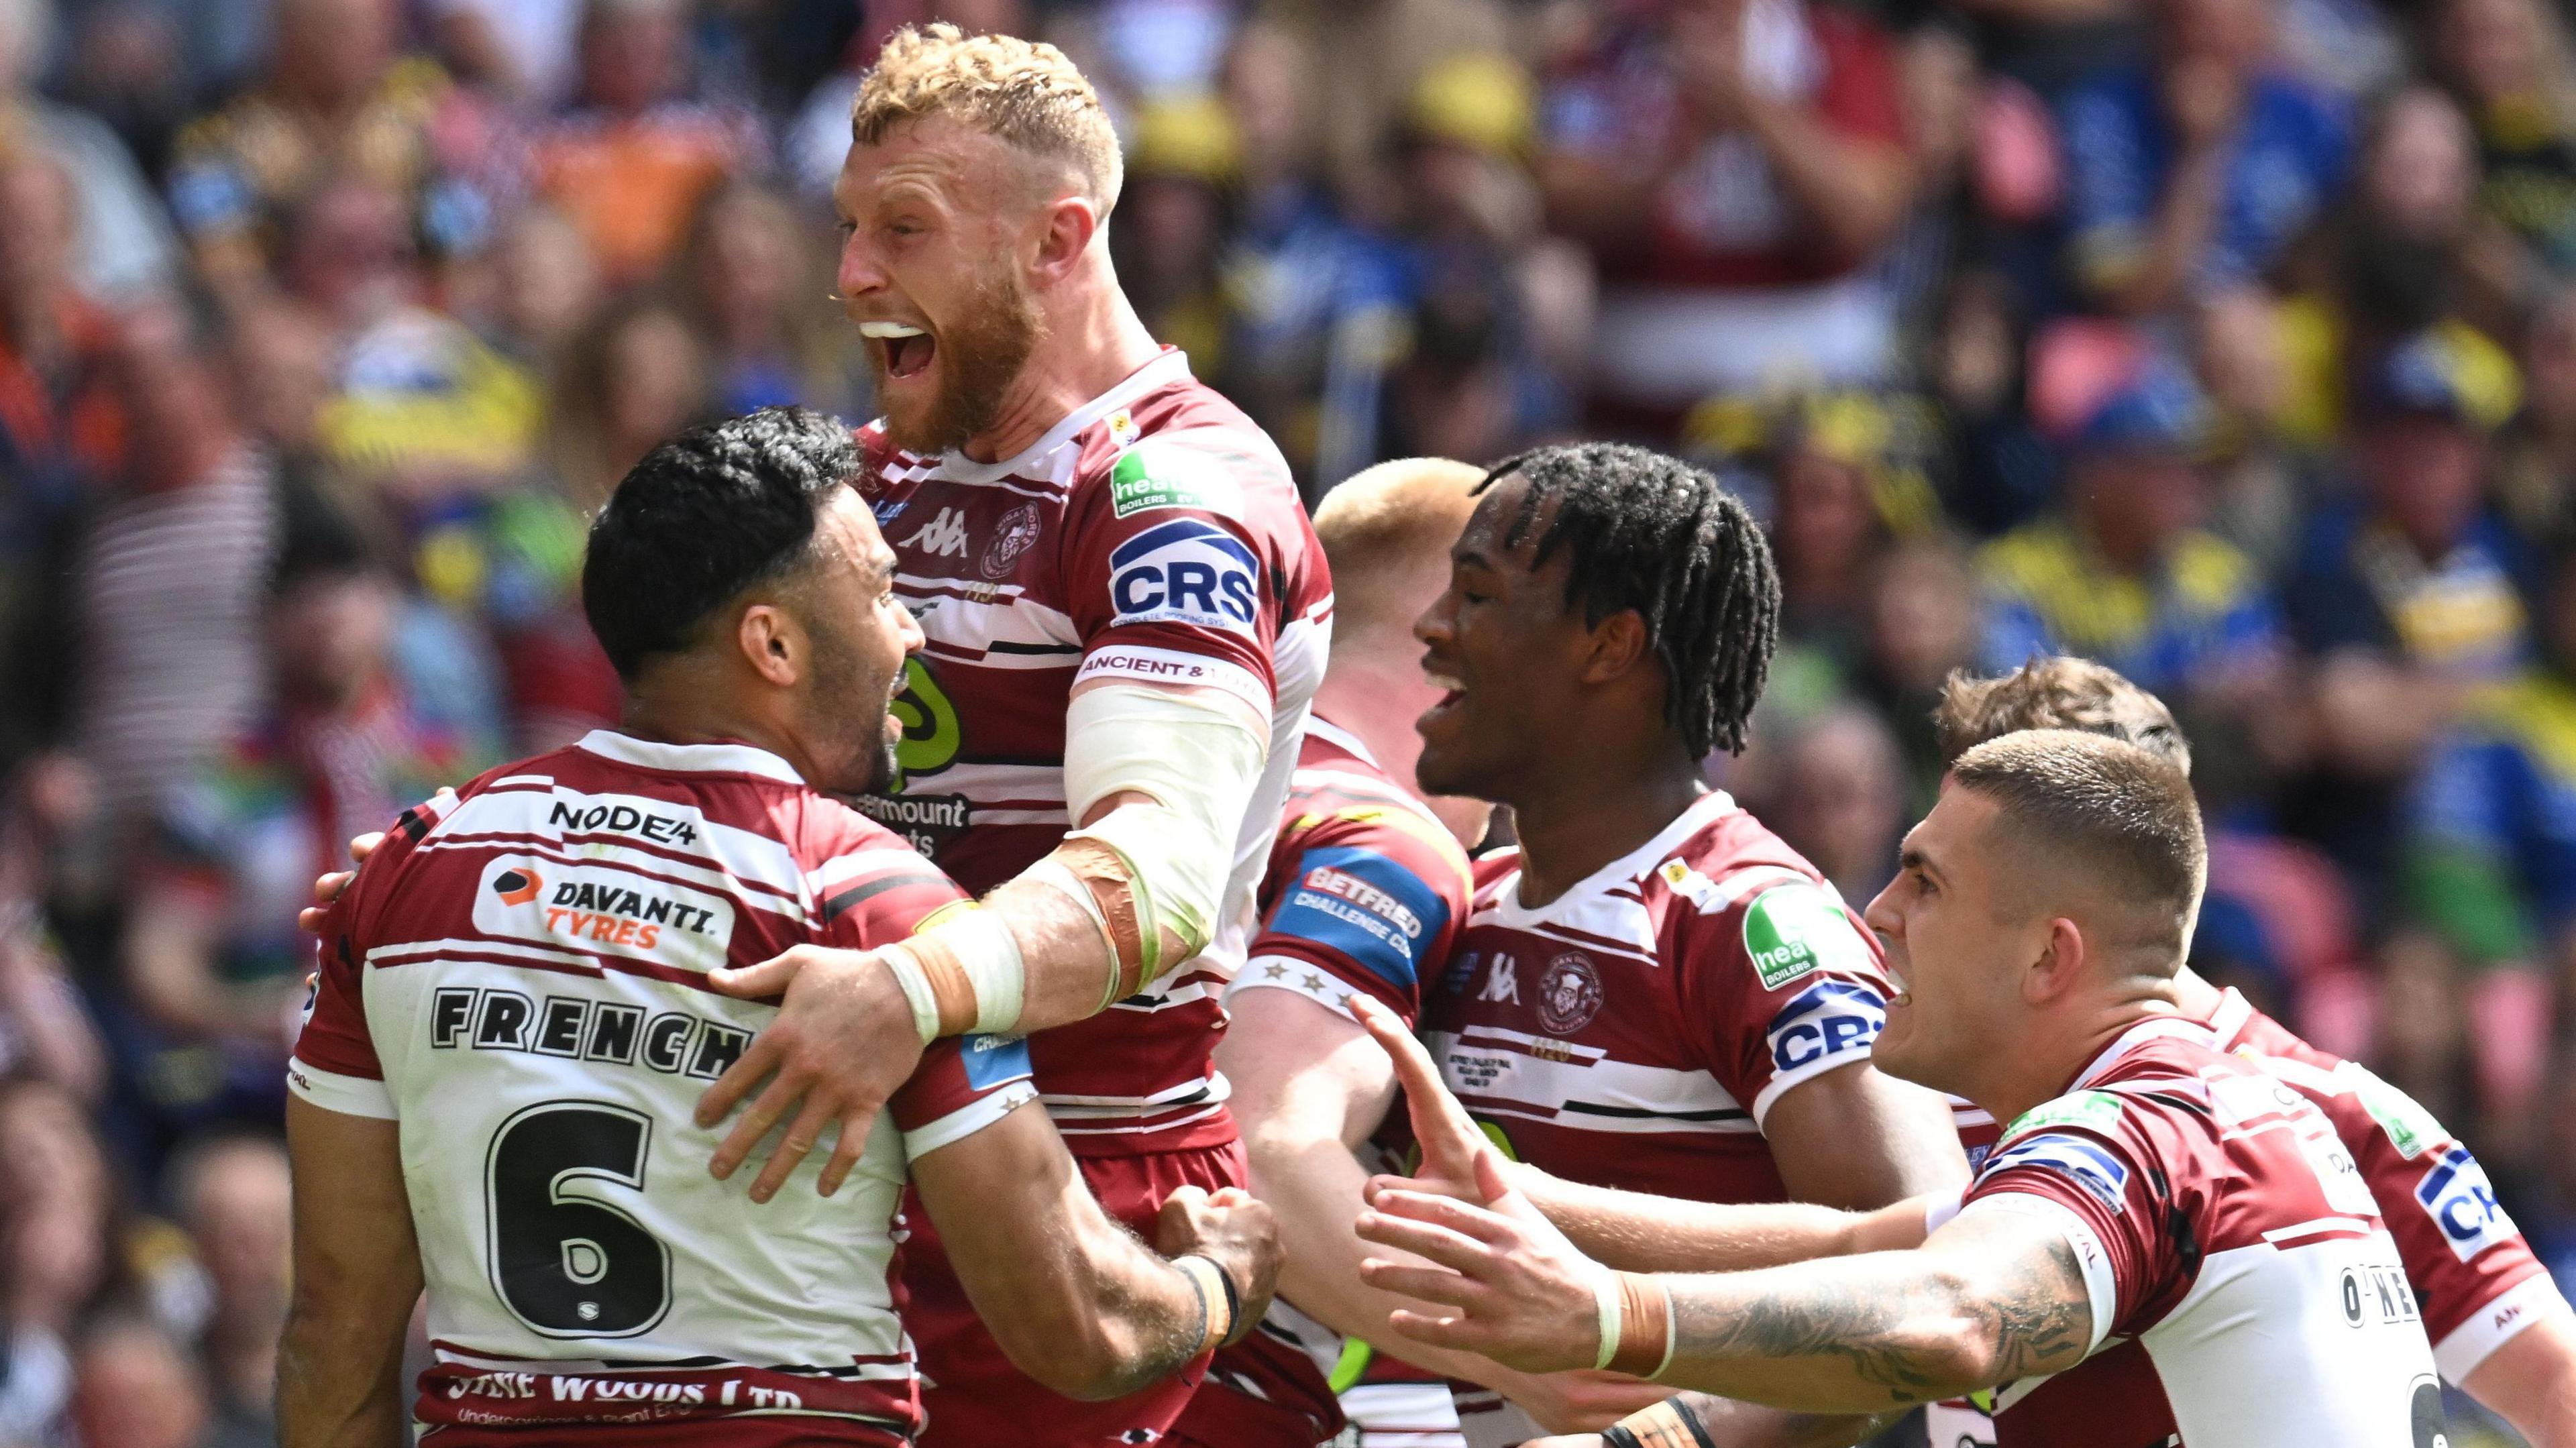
[[2410, 1127], [930, 733], [1792, 930], [1149, 475], [2092, 1110]]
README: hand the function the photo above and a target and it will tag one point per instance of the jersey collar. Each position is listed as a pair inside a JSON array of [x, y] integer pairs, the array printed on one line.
[[2154, 1028], [689, 758], [1706, 810], [1171, 366]]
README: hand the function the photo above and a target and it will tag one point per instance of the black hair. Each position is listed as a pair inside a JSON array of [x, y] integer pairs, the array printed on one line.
[[704, 516], [1652, 533]]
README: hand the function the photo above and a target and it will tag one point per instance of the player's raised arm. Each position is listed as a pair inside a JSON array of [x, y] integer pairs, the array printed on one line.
[[1075, 1301], [357, 1275]]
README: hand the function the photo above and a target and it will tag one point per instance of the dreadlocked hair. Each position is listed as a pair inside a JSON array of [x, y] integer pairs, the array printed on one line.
[[1652, 533]]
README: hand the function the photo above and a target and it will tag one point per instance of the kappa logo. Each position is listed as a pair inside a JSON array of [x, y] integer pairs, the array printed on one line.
[[1569, 994], [941, 536], [1502, 982], [1019, 532]]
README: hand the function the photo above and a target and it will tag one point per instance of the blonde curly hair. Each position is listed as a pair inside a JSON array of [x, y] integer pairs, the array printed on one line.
[[1022, 92]]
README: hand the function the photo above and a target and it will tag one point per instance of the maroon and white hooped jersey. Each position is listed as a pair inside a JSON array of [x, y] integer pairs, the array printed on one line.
[[518, 977], [1634, 1031], [2477, 1280], [2245, 1292], [1153, 535]]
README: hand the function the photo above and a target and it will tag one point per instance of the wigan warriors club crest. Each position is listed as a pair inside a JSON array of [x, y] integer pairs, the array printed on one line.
[[1569, 994], [1018, 531]]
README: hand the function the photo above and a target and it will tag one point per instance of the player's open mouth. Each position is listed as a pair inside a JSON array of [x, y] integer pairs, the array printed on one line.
[[1451, 688], [908, 350], [1904, 993]]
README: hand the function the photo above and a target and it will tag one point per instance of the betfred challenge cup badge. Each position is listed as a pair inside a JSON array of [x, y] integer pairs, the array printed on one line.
[[1018, 532], [1569, 994]]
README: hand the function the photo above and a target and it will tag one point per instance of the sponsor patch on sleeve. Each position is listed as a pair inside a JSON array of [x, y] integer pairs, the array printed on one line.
[[1185, 571], [1830, 1021], [1154, 474], [2411, 1129], [992, 1060], [1365, 906], [2459, 1199], [2092, 1110], [2088, 1164], [1797, 929]]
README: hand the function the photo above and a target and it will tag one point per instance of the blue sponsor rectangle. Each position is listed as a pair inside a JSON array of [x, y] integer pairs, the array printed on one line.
[[1362, 905]]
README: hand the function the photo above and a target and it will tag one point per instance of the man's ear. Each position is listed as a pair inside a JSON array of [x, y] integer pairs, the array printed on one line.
[[2061, 964], [1070, 222], [772, 643], [1617, 644]]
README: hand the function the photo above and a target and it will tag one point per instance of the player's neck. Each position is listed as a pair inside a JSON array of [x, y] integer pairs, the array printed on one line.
[[677, 705], [2050, 1054], [1094, 340], [1584, 819]]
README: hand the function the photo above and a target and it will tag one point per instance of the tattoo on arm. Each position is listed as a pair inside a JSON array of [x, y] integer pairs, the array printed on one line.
[[1906, 1336]]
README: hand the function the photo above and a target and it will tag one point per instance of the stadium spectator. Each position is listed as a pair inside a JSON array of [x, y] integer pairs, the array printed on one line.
[[748, 275], [337, 97], [231, 1196], [2121, 572], [1735, 164], [126, 246], [2510, 63], [633, 155], [138, 1388], [212, 963], [2195, 171]]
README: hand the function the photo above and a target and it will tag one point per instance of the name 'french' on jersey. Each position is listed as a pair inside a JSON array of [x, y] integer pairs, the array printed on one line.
[[2244, 1290], [1153, 535], [518, 978], [1634, 1031]]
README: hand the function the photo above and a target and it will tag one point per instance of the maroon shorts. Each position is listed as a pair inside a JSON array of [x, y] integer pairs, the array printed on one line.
[[974, 1397]]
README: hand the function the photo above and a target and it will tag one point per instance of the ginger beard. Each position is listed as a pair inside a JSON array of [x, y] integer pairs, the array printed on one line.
[[974, 360]]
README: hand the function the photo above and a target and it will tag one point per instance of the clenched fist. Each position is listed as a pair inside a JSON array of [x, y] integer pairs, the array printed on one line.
[[1233, 1229]]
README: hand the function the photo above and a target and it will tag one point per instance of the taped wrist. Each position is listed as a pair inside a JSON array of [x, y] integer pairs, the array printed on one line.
[[1219, 1303], [1636, 1316], [1665, 1425]]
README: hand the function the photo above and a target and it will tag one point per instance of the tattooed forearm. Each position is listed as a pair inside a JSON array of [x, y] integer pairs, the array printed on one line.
[[2036, 1322], [1894, 1329]]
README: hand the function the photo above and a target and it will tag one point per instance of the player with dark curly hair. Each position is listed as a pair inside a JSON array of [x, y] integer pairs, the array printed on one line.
[[1653, 992]]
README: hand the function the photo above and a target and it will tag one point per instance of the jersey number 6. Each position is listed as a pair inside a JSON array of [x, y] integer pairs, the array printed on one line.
[[572, 1265]]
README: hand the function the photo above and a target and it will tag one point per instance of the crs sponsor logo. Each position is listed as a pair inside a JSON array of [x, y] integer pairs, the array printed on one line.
[[2085, 1163], [603, 910], [2459, 1199], [1828, 1021], [1184, 571]]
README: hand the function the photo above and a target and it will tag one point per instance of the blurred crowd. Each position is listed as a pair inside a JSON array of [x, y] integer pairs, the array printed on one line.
[[2232, 342]]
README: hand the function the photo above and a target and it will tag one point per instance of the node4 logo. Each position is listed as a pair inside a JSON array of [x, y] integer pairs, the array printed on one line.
[[1184, 571]]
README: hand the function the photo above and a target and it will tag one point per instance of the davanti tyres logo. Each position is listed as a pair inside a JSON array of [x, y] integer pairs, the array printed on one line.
[[517, 887]]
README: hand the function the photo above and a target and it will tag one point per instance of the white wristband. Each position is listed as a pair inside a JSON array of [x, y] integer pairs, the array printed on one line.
[[1605, 1300], [990, 955], [1052, 873], [908, 974]]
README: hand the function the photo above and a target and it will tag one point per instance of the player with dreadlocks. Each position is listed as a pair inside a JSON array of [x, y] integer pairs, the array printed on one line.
[[1653, 993]]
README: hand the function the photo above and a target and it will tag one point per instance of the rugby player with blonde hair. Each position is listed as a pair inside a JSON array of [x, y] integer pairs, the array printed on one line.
[[1125, 615]]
